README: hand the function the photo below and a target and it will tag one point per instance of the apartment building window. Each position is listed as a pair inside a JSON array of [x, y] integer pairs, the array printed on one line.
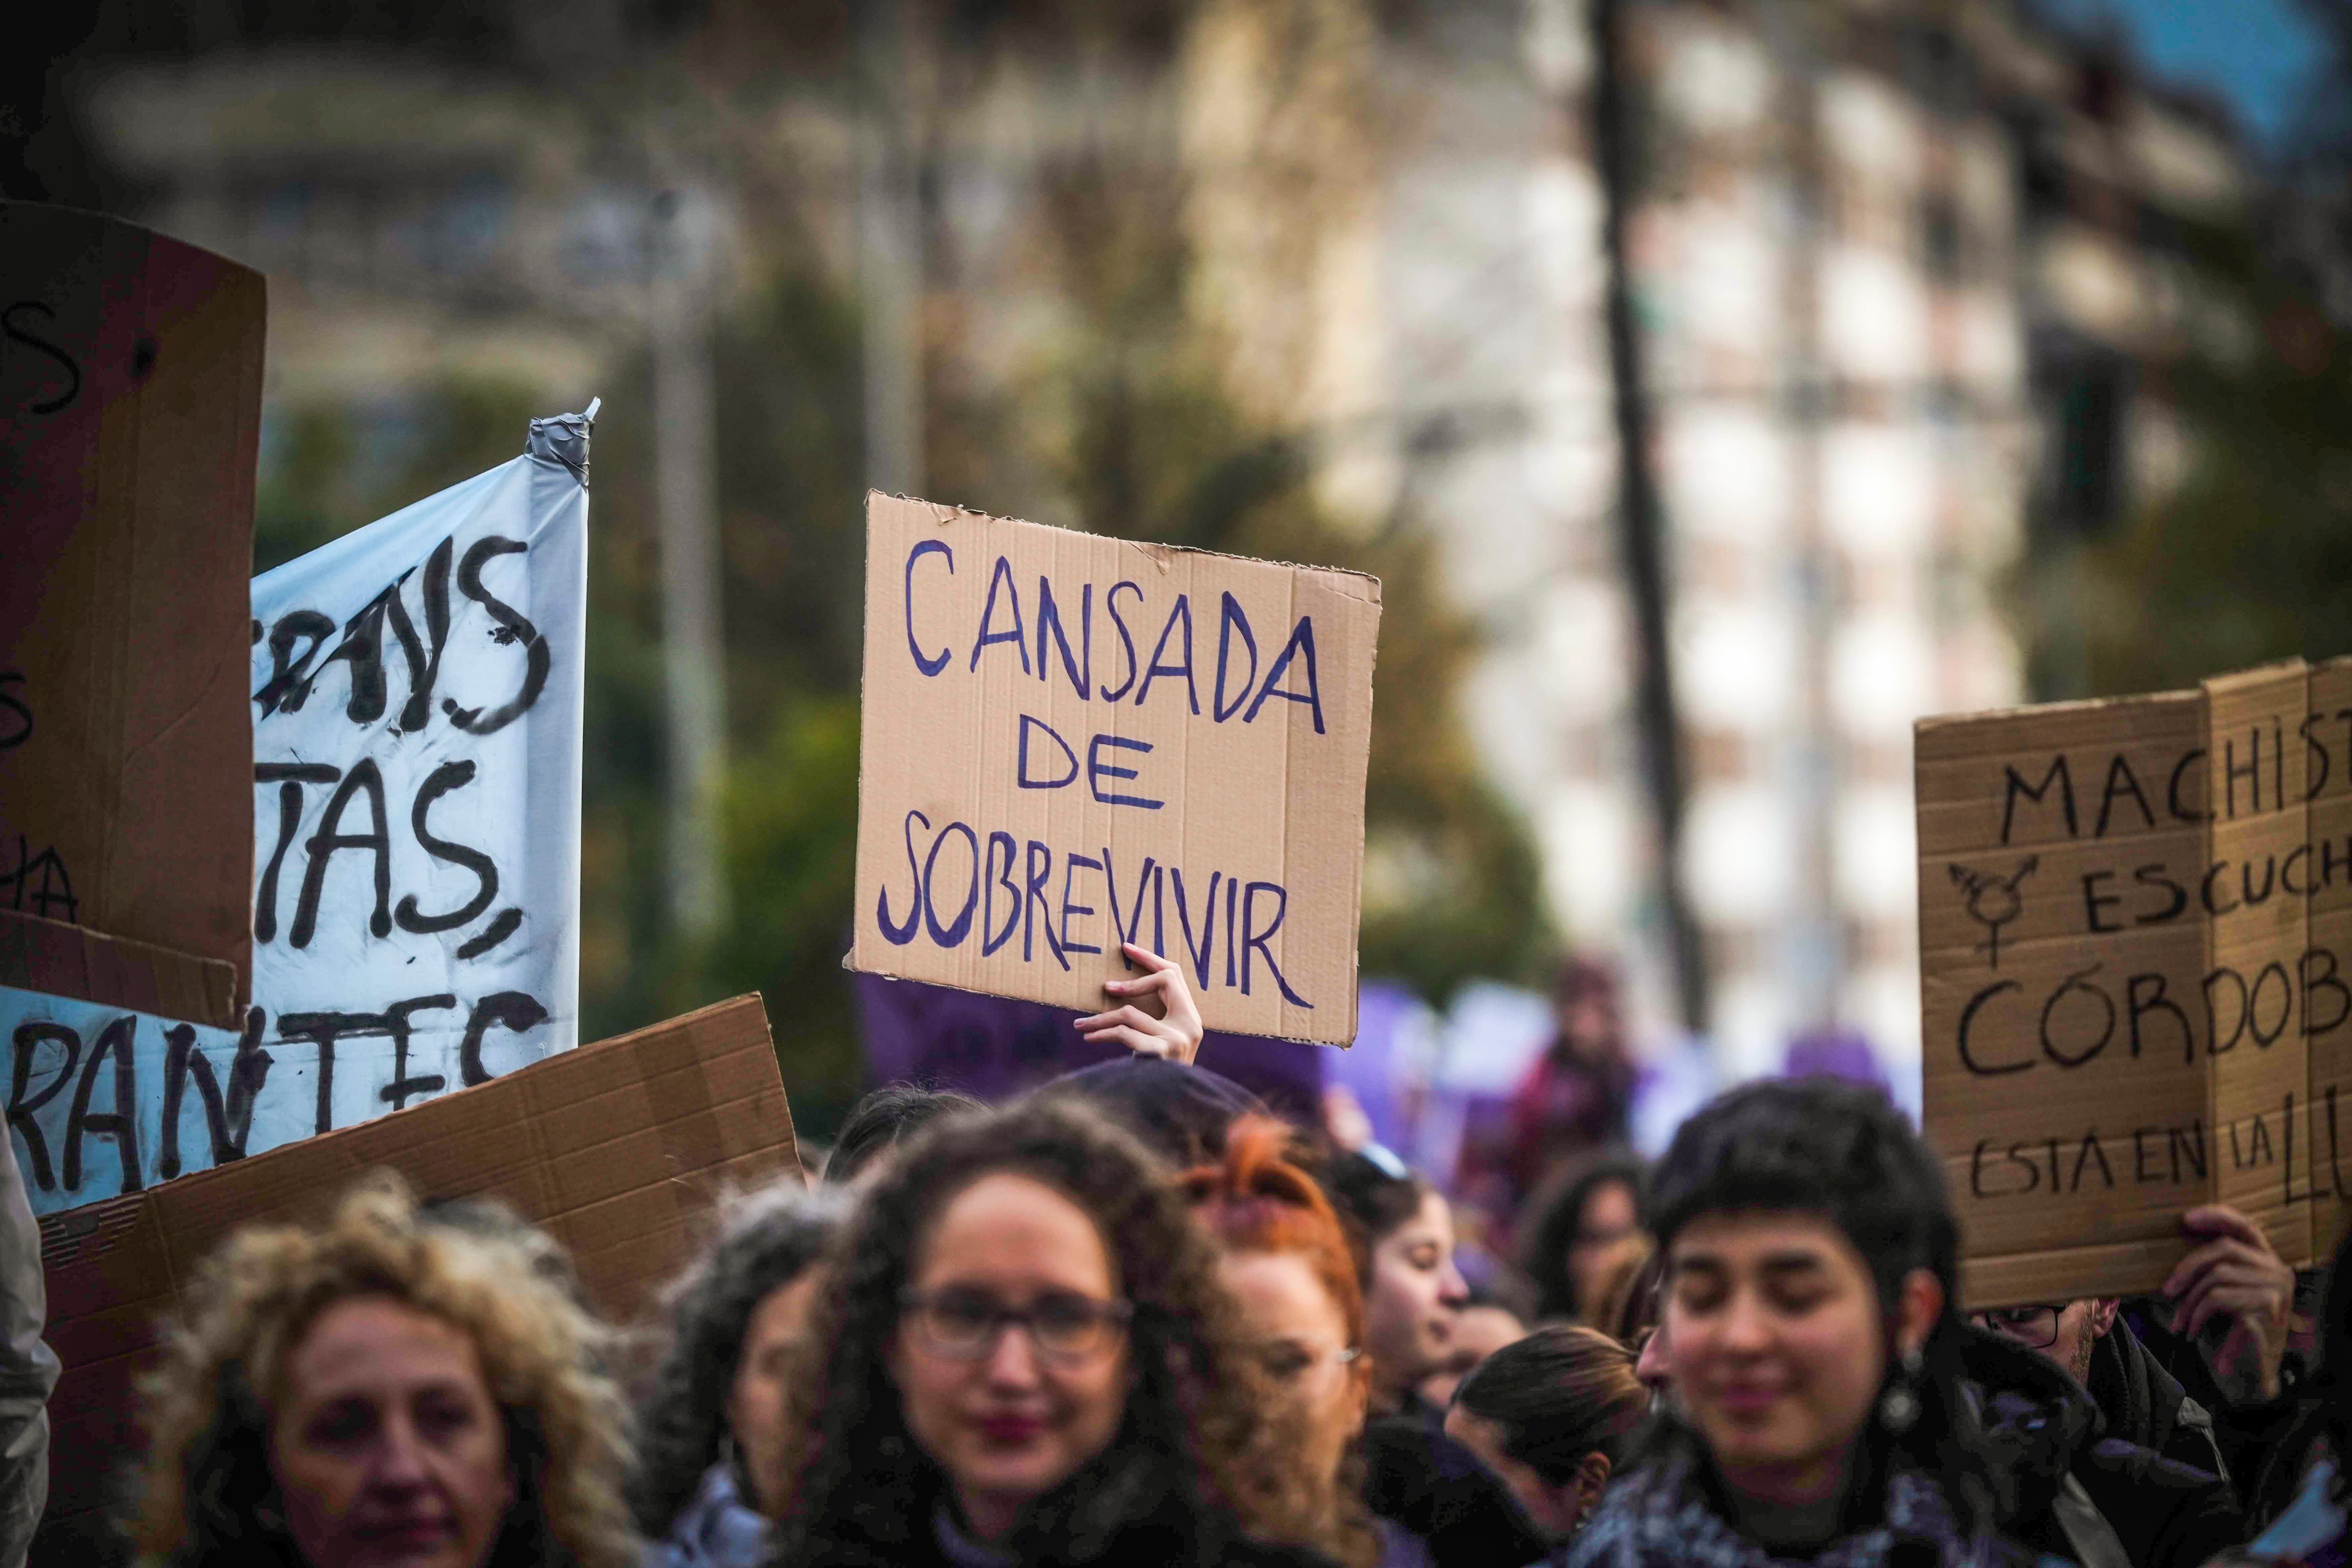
[[2085, 399], [1942, 238]]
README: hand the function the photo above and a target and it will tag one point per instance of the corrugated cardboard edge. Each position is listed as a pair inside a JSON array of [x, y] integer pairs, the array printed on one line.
[[37, 955], [950, 510], [714, 1117]]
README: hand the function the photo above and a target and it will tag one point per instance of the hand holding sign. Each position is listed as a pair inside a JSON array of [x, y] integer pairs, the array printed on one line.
[[2236, 1278], [1175, 1036]]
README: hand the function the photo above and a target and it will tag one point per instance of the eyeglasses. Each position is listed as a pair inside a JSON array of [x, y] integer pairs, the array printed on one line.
[[1286, 1362], [1065, 1327], [2035, 1327]]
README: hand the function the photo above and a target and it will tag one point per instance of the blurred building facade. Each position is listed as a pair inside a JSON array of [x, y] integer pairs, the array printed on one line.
[[1907, 277]]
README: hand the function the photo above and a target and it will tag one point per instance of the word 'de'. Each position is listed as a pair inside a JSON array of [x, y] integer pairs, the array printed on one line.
[[1073, 742], [2135, 929]]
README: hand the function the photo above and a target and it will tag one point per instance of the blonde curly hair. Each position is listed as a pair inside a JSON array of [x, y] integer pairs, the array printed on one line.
[[206, 1496]]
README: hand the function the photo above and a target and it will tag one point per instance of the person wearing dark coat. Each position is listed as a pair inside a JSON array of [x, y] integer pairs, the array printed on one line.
[[2079, 1490], [2146, 1405]]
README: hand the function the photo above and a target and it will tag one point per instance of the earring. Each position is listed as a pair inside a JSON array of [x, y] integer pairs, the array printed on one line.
[[1899, 1408]]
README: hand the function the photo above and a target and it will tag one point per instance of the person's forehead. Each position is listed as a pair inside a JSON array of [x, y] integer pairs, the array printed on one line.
[[1006, 1225], [368, 1344], [1767, 1237], [1430, 1220]]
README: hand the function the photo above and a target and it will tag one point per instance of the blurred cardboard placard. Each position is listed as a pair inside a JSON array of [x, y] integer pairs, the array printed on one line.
[[2136, 938], [130, 422], [615, 1149], [1070, 739]]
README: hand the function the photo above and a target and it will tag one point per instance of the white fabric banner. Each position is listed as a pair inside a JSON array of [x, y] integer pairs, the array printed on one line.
[[416, 880]]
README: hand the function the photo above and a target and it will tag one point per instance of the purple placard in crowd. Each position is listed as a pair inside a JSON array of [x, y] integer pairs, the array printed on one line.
[[995, 1047]]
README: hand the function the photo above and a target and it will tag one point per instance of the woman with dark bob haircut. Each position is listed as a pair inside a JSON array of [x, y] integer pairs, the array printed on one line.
[[383, 1387], [1029, 1359], [1811, 1260]]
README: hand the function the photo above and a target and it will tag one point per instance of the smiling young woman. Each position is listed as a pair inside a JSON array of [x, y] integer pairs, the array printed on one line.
[[1032, 1359], [1811, 1263]]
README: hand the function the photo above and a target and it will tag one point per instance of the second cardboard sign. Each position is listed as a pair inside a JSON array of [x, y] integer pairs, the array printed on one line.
[[1072, 741], [2135, 934]]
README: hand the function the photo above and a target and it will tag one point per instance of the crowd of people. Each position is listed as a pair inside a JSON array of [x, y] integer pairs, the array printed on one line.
[[1131, 1317]]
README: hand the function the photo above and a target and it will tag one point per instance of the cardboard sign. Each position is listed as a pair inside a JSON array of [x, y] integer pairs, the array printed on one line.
[[416, 784], [2135, 929], [616, 1149], [1071, 739], [130, 420]]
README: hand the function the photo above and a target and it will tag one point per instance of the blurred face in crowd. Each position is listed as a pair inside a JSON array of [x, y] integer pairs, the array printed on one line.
[[1588, 1025], [386, 1448], [1416, 1293], [1478, 1333], [1009, 1410], [2065, 1334], [1778, 1348], [1301, 1337], [755, 1405], [1608, 1220]]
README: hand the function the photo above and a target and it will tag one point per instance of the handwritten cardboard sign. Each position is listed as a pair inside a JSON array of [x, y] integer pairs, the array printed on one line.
[[415, 799], [1072, 740], [129, 418], [2135, 929], [616, 1149]]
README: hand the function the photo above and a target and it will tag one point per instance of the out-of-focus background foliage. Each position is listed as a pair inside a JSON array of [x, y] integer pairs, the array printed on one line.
[[1980, 360]]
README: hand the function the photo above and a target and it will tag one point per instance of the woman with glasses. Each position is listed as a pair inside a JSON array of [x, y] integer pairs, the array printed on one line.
[[1288, 1267], [1030, 1358]]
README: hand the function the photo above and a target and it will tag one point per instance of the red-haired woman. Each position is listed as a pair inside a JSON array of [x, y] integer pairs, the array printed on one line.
[[1289, 1269]]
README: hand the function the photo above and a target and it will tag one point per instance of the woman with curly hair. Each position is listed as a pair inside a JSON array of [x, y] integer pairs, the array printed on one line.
[[381, 1389], [1578, 1226], [1030, 1358], [713, 1414], [1289, 1269]]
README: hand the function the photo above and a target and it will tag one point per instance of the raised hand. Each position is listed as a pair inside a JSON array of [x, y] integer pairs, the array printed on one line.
[[1175, 1034], [2235, 1276]]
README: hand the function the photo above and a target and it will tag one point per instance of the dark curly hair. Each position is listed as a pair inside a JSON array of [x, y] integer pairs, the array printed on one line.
[[766, 1239], [1189, 1464], [1558, 1217]]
